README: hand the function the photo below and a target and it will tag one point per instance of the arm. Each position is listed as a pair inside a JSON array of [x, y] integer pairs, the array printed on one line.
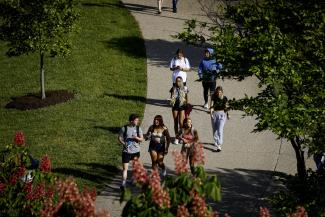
[[187, 67], [196, 136], [139, 138], [211, 105], [146, 136], [200, 70], [167, 140]]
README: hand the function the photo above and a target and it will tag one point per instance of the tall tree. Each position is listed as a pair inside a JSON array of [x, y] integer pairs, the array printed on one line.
[[281, 42], [41, 26]]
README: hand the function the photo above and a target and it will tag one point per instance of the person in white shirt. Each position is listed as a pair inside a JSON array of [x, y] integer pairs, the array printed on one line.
[[180, 66]]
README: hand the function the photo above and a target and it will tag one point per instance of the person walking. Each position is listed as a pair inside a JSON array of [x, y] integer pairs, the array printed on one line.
[[178, 101], [159, 143], [180, 66], [218, 111], [207, 72], [159, 2], [130, 137], [175, 6], [189, 137]]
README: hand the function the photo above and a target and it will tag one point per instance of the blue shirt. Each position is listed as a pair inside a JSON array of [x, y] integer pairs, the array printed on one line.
[[208, 69]]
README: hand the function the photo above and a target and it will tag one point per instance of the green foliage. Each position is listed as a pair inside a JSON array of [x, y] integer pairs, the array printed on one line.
[[282, 44], [16, 198], [37, 25], [309, 194], [180, 189]]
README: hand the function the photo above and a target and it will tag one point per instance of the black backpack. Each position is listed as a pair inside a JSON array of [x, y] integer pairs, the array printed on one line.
[[125, 131]]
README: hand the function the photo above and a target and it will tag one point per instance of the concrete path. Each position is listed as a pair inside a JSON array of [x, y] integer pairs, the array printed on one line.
[[247, 161]]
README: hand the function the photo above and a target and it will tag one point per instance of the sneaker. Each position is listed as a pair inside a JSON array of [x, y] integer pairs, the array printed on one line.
[[218, 148], [176, 142], [206, 106]]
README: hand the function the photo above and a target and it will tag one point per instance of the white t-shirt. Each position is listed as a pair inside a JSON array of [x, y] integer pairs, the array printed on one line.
[[183, 63]]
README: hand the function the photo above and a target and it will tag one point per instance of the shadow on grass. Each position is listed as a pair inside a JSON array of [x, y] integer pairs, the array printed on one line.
[[100, 174], [114, 130], [131, 46], [155, 102]]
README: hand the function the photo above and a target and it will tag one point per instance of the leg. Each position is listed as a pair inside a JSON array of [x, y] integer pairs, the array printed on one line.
[[205, 91], [221, 126], [213, 85], [125, 173], [216, 124], [153, 155], [161, 163], [159, 5], [181, 117], [175, 117], [174, 6]]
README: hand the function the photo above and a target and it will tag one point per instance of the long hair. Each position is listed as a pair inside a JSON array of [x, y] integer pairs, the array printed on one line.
[[182, 84], [192, 130], [219, 88], [159, 118]]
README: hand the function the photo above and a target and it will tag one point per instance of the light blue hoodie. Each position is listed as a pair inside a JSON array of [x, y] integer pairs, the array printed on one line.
[[209, 68]]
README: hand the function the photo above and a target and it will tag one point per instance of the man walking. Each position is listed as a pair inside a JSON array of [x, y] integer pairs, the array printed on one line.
[[130, 137], [207, 72]]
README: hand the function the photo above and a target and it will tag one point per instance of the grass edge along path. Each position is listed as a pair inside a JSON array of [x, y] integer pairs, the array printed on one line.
[[107, 72]]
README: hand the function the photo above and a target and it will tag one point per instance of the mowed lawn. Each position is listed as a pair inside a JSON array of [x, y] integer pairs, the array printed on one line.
[[107, 72]]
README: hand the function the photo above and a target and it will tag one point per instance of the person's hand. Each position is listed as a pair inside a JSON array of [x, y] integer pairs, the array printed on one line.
[[125, 146]]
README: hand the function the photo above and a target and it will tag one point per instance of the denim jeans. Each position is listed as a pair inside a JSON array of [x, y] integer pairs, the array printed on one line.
[[218, 122], [175, 5]]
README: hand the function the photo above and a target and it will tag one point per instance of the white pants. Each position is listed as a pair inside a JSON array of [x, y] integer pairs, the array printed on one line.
[[218, 122], [160, 2]]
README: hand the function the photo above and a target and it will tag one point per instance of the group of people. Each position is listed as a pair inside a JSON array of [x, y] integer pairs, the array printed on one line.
[[131, 135]]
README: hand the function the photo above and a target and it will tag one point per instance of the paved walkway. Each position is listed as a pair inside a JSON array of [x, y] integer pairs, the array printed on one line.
[[247, 161]]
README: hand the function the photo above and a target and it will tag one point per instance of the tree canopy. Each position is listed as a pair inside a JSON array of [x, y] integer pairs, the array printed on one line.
[[281, 42]]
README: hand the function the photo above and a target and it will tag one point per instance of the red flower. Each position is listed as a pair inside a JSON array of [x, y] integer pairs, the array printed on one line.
[[13, 179], [139, 172], [198, 205], [39, 191], [182, 211], [264, 212], [19, 138], [300, 212], [2, 187], [198, 154], [21, 171], [159, 195], [45, 164], [180, 162]]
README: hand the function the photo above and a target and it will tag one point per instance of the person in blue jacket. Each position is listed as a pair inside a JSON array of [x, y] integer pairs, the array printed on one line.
[[207, 72]]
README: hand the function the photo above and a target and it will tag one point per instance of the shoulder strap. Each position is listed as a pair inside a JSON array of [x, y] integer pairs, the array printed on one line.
[[125, 131], [138, 131]]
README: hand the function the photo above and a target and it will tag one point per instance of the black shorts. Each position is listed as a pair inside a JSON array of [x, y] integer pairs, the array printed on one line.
[[159, 148], [127, 157], [178, 108]]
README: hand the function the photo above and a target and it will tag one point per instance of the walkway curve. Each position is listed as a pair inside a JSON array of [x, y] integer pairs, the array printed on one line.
[[247, 162]]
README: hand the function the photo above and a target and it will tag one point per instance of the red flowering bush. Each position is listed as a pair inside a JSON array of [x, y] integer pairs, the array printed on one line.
[[27, 189], [19, 138]]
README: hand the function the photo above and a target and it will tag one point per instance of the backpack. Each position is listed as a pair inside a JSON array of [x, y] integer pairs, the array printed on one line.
[[125, 131]]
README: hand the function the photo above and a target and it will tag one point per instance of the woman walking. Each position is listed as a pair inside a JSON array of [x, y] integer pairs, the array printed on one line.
[[189, 136], [159, 143], [180, 66], [178, 101], [218, 111]]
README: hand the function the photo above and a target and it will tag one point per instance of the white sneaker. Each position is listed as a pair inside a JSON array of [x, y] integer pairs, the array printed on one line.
[[218, 148], [176, 142], [206, 106]]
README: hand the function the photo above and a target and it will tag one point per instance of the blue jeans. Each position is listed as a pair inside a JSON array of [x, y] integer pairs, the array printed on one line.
[[218, 122], [175, 5]]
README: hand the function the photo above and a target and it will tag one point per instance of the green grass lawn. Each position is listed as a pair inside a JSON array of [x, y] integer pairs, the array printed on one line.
[[107, 72]]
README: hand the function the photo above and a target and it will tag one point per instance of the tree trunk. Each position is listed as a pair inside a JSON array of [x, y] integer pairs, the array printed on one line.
[[301, 165], [42, 75]]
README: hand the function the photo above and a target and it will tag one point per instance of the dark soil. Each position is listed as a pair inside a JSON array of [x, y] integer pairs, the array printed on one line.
[[34, 100]]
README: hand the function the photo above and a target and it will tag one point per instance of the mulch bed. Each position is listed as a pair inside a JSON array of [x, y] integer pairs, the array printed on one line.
[[34, 100]]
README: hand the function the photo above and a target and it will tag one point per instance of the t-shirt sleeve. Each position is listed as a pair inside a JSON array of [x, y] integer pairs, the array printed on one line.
[[140, 132], [121, 133], [187, 63], [172, 62]]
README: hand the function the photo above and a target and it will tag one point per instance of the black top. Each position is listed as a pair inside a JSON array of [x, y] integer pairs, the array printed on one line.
[[219, 104]]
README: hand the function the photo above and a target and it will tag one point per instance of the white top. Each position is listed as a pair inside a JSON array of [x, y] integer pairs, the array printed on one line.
[[182, 63]]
